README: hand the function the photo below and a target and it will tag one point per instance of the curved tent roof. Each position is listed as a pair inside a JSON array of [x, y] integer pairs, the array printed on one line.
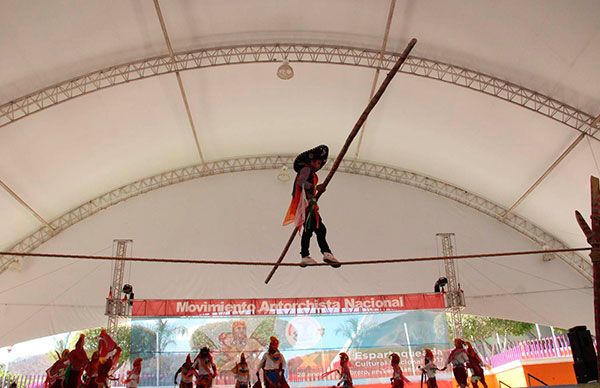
[[91, 114]]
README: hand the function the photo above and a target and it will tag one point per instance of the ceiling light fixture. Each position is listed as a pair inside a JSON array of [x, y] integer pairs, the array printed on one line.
[[285, 71], [284, 174]]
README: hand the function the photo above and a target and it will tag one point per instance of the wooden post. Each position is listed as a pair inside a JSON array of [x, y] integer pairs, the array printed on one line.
[[359, 123], [593, 238], [595, 256]]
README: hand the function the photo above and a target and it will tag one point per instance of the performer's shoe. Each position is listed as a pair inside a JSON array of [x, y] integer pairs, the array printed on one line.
[[307, 260], [331, 260]]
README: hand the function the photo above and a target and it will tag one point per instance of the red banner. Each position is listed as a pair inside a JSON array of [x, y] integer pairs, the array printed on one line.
[[287, 306]]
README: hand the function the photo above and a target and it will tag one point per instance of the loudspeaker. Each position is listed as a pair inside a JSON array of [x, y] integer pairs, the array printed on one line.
[[584, 354]]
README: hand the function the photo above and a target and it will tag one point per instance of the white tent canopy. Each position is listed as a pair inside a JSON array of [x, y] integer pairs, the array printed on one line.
[[493, 94]]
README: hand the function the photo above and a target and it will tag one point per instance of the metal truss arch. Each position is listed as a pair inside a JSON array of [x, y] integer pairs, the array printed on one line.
[[295, 52], [274, 162]]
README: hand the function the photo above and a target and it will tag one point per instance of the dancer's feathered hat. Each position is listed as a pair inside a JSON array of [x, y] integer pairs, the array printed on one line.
[[318, 153]]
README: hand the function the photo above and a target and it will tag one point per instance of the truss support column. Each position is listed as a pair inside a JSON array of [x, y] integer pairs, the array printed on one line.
[[115, 306], [455, 299]]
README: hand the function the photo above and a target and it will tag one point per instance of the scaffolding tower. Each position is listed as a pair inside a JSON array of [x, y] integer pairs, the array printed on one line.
[[455, 298], [116, 306]]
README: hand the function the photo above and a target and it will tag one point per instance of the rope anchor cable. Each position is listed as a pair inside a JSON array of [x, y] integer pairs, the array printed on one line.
[[258, 263]]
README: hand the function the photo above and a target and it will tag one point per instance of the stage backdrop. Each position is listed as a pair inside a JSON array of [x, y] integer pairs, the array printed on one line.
[[312, 333]]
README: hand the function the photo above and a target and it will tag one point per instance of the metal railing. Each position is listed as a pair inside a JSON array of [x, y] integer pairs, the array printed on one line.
[[548, 347], [25, 381]]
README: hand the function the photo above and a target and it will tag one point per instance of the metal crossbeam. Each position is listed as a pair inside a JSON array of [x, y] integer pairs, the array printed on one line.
[[22, 202], [595, 129], [182, 91], [274, 162], [295, 52], [386, 35]]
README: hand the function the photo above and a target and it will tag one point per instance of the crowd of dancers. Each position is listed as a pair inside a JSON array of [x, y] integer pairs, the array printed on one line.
[[73, 369], [462, 359], [203, 370]]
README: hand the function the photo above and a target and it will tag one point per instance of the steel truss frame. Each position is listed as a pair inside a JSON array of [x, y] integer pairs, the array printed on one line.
[[115, 306], [274, 162], [455, 299], [295, 52]]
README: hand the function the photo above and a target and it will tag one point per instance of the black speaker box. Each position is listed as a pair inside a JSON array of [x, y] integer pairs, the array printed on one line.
[[584, 354]]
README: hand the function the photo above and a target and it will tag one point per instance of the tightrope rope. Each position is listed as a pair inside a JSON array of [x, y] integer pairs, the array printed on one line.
[[269, 263]]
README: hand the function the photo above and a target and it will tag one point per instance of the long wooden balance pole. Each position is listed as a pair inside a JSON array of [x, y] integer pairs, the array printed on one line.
[[359, 123]]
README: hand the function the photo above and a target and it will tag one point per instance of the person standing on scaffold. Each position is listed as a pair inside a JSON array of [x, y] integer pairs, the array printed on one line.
[[303, 210]]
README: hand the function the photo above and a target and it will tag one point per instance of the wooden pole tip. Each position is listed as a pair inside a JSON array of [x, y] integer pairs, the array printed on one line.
[[595, 185]]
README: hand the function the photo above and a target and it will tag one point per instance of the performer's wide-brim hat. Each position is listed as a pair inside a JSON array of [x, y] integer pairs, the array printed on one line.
[[320, 152]]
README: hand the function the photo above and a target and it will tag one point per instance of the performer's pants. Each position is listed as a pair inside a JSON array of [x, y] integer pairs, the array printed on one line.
[[184, 384], [272, 378], [477, 376], [204, 381], [460, 374], [102, 382], [320, 231], [398, 383], [92, 383], [74, 379], [57, 384], [432, 382]]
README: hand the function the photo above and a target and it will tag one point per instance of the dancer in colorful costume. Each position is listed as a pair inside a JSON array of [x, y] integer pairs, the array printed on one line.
[[55, 375], [205, 368], [91, 371], [78, 360], [430, 369], [108, 358], [476, 366], [241, 373], [398, 379], [458, 358], [303, 210], [273, 365], [344, 372], [133, 376], [187, 374]]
